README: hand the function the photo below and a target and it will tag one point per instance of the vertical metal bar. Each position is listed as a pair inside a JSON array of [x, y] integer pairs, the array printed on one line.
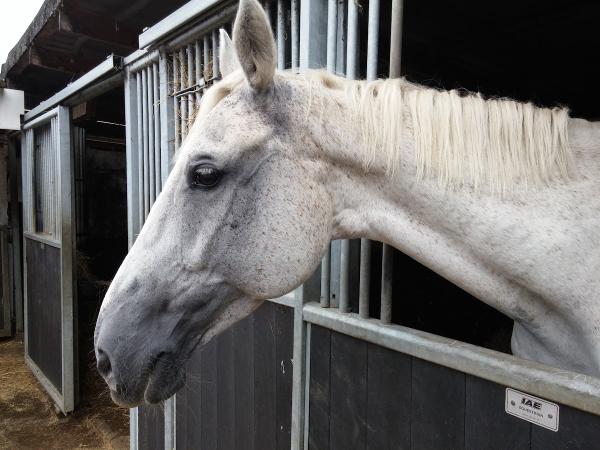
[[280, 33], [373, 40], [176, 87], [215, 48], [396, 38], [205, 43], [345, 276], [183, 98], [332, 6], [365, 244], [352, 47], [326, 277], [313, 34], [167, 118], [150, 153], [145, 141], [133, 429], [295, 30], [190, 97], [387, 267], [157, 131], [139, 150], [65, 204], [170, 421], [198, 61], [342, 35]]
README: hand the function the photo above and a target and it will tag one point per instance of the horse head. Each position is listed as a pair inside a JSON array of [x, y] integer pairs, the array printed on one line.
[[242, 218]]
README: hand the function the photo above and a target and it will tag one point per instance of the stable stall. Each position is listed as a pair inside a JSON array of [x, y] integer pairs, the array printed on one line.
[[72, 220], [338, 363]]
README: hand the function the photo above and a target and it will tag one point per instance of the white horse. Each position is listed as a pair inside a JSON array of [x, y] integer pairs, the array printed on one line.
[[489, 194]]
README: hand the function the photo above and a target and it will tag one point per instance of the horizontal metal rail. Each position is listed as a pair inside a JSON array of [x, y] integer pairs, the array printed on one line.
[[112, 64], [174, 21], [569, 388]]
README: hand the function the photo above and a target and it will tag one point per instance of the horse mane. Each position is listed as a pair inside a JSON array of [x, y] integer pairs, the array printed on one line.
[[460, 138]]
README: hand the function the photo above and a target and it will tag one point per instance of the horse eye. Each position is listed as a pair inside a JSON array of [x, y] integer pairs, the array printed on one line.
[[204, 176]]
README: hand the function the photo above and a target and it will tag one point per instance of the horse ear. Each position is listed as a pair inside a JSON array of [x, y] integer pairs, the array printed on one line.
[[254, 44], [228, 61]]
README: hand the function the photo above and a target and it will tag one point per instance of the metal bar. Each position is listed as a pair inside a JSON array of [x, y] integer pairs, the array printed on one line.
[[387, 269], [139, 153], [198, 61], [133, 429], [313, 34], [215, 48], [352, 45], [157, 131], [183, 100], [396, 38], [176, 87], [170, 423], [206, 55], [167, 120], [326, 277], [67, 226], [39, 121], [295, 30], [342, 37], [345, 276], [111, 64], [145, 142], [332, 6], [221, 17], [373, 40], [146, 60], [569, 388], [151, 140], [364, 284], [280, 33], [191, 67], [175, 21]]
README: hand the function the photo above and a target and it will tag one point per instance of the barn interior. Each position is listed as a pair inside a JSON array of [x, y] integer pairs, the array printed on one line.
[[527, 50], [98, 137]]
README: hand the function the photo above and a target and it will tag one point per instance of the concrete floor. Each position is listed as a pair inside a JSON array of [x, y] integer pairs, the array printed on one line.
[[28, 419]]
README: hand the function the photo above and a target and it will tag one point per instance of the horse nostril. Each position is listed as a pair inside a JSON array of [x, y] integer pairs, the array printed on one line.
[[103, 363]]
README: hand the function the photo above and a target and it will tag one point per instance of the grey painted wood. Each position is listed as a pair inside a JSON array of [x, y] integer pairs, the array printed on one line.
[[389, 379], [438, 407], [265, 367], [319, 388], [284, 320], [348, 405], [189, 404], [208, 411], [243, 355], [487, 425], [577, 430], [225, 391]]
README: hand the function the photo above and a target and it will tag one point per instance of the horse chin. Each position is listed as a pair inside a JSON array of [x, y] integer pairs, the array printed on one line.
[[165, 380]]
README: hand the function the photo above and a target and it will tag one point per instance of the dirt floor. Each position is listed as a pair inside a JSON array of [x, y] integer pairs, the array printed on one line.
[[28, 419]]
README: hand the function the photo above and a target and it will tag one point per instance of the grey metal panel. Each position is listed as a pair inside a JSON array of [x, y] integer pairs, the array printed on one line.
[[132, 155]]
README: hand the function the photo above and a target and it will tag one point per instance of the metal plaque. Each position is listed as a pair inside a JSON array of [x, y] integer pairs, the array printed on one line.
[[532, 409]]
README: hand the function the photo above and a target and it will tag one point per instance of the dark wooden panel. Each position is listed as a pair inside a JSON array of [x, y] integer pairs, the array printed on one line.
[[438, 407], [284, 352], [44, 309], [348, 393], [151, 427], [243, 354], [225, 391], [487, 425], [576, 430], [265, 367], [318, 421], [389, 393], [208, 392], [189, 404]]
